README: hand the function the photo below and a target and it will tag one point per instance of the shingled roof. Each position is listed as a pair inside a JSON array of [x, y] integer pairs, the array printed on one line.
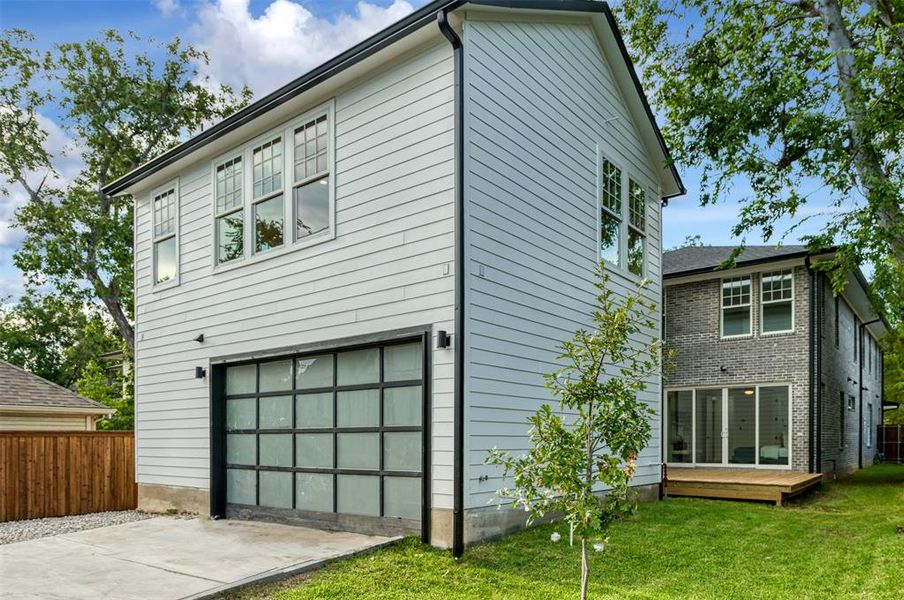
[[21, 389], [699, 259]]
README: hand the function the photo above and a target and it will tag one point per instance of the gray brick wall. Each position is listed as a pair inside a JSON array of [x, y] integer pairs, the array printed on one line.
[[692, 330]]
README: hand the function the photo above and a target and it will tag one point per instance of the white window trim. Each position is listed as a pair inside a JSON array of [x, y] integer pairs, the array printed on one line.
[[622, 268], [725, 464], [722, 308], [763, 303], [172, 185], [630, 227], [286, 132]]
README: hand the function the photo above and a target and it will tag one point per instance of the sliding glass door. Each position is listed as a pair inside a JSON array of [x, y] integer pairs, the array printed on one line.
[[745, 426]]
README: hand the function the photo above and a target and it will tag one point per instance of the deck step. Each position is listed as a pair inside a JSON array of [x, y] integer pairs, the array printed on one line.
[[739, 484]]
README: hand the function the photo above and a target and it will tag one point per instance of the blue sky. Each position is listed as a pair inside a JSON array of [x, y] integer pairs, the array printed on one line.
[[265, 43]]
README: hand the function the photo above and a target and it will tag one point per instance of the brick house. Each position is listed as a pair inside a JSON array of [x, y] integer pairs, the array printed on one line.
[[772, 369]]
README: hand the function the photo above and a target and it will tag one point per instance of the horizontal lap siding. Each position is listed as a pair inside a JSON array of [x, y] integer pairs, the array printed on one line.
[[389, 267], [540, 98]]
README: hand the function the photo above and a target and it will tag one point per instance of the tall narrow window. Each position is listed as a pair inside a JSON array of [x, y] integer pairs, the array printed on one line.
[[777, 289], [842, 412], [637, 227], [165, 258], [611, 214], [230, 220], [267, 195], [736, 306], [837, 322], [869, 425], [311, 189]]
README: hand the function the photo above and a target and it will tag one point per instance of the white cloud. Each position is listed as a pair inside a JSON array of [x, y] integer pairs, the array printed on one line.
[[169, 8], [284, 42]]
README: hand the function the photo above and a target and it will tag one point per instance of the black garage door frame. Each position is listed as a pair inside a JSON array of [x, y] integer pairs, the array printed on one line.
[[373, 525]]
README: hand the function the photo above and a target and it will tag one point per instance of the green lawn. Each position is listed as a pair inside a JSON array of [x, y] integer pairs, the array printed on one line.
[[839, 542]]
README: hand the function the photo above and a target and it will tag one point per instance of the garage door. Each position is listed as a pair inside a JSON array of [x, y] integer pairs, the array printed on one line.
[[333, 437]]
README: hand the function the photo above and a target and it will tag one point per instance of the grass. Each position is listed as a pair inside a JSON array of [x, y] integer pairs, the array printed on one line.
[[838, 542]]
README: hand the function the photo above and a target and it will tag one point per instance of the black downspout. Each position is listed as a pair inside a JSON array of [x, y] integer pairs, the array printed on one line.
[[811, 392], [458, 545]]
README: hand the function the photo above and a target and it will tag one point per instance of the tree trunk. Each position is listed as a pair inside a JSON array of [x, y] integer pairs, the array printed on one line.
[[585, 569], [122, 322]]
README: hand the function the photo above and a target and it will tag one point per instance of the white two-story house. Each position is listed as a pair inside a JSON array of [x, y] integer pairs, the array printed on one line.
[[348, 292]]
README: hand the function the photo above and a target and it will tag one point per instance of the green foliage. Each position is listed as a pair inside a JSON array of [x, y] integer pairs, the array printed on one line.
[[690, 241], [53, 337], [120, 109], [893, 348], [601, 426], [107, 384], [781, 94]]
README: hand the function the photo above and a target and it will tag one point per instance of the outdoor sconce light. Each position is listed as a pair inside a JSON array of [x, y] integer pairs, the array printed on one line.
[[723, 368], [200, 338], [443, 339], [200, 372]]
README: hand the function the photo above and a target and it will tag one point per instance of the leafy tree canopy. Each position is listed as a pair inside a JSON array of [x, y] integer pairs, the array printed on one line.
[[120, 109]]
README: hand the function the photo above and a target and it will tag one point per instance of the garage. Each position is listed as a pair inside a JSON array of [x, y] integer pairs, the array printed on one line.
[[329, 438]]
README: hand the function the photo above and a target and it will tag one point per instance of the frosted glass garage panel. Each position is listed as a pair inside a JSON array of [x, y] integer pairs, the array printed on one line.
[[314, 491], [241, 449], [276, 489], [276, 376], [358, 450], [402, 362], [276, 449], [241, 413], [314, 372], [314, 410], [402, 451], [314, 450], [241, 486], [276, 412], [359, 366], [241, 380], [402, 497], [358, 494], [358, 408], [402, 406]]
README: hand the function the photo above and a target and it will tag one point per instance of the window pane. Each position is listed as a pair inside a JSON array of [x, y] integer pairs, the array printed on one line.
[[276, 376], [312, 208], [229, 185], [268, 224], [402, 451], [230, 237], [241, 449], [358, 450], [276, 412], [777, 285], [709, 426], [359, 408], [310, 145], [612, 187], [636, 243], [314, 491], [402, 406], [276, 449], [165, 260], [360, 366], [402, 497], [314, 450], [276, 489], [241, 413], [680, 427], [736, 291], [314, 371], [165, 213], [267, 172], [742, 425], [774, 438], [358, 494], [241, 486], [736, 321], [314, 410], [610, 239], [637, 205], [777, 317], [241, 380], [402, 362]]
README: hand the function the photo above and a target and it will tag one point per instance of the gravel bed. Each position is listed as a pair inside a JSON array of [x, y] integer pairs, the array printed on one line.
[[20, 531]]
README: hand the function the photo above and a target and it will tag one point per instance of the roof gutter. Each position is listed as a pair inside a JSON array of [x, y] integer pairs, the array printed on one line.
[[71, 410], [458, 544]]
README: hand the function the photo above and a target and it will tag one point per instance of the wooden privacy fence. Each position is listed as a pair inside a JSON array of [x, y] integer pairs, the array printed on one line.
[[58, 473], [891, 442]]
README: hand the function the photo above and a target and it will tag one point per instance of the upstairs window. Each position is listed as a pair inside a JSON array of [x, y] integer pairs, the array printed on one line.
[[267, 195], [230, 218], [777, 299], [637, 227], [311, 189], [736, 306], [611, 214], [165, 218]]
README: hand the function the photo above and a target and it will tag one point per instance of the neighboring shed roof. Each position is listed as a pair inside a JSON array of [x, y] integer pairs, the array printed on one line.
[[21, 389], [699, 259]]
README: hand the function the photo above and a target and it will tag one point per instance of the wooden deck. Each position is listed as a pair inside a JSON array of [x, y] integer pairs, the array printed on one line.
[[738, 484]]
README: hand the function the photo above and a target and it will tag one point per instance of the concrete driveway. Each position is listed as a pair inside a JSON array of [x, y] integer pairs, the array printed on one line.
[[167, 558]]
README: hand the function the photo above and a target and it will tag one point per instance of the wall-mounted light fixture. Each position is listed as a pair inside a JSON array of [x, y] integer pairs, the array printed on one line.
[[200, 338], [443, 339], [723, 368], [200, 372]]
